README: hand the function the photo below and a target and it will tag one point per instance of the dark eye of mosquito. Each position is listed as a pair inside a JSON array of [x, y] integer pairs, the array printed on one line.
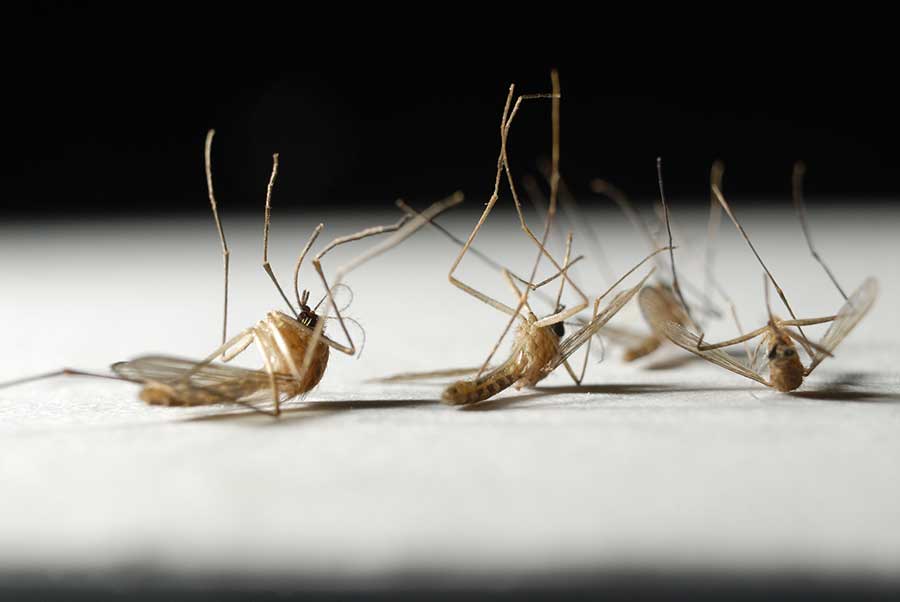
[[788, 352], [559, 330]]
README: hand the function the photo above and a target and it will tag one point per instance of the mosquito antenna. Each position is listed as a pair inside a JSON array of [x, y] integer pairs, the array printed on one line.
[[207, 161], [800, 207], [268, 215], [719, 197], [675, 286]]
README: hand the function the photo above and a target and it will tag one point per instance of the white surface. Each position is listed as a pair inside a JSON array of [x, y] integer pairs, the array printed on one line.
[[687, 468]]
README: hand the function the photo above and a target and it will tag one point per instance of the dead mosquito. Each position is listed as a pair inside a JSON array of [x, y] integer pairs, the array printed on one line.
[[294, 347], [668, 290], [786, 370], [540, 344]]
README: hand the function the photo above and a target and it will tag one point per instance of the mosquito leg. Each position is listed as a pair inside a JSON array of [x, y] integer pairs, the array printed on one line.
[[224, 349], [495, 195], [367, 232], [554, 181], [604, 188], [276, 343], [306, 248], [675, 286], [626, 275], [551, 212], [264, 350], [268, 214], [800, 207], [740, 228], [505, 123], [407, 229], [238, 349], [575, 217], [317, 264], [808, 321], [207, 155], [716, 172], [576, 379], [467, 246], [811, 348], [63, 372], [745, 337], [496, 266], [558, 316]]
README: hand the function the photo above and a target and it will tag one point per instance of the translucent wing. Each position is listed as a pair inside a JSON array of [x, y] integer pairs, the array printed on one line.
[[856, 307], [760, 360], [198, 383], [573, 342], [622, 336], [652, 307], [168, 369]]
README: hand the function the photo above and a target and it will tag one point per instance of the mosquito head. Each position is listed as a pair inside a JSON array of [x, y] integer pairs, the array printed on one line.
[[781, 348], [559, 328], [307, 315]]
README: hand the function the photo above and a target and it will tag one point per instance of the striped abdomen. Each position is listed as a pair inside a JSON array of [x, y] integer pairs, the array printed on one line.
[[184, 394], [465, 392]]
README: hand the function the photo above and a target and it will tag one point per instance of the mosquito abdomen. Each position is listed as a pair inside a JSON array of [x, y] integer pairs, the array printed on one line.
[[465, 392], [159, 394], [786, 378], [647, 346]]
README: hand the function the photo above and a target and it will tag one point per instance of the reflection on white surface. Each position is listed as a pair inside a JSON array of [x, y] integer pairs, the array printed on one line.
[[685, 468]]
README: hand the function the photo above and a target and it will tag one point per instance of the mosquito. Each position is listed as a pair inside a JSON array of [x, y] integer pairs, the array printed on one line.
[[540, 345], [671, 302], [294, 348], [786, 370]]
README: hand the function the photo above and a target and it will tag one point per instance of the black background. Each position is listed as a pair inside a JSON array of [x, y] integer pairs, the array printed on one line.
[[110, 104]]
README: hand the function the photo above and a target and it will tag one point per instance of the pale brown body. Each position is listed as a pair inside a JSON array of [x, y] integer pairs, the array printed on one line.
[[673, 312], [786, 371], [283, 341], [535, 348], [286, 358]]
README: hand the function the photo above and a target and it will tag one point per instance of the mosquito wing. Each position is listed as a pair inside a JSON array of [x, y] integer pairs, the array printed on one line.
[[623, 336], [653, 307], [573, 342], [168, 369], [856, 307], [198, 383]]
